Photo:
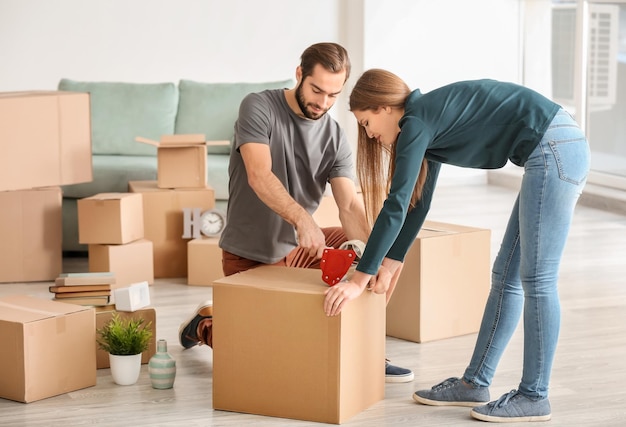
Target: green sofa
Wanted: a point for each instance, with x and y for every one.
(122, 111)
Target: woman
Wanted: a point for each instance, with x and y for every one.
(475, 124)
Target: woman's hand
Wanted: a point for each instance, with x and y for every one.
(381, 282)
(337, 296)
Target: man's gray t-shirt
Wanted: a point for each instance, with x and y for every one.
(305, 153)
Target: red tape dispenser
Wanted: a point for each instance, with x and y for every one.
(335, 263)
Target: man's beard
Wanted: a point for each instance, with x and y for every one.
(303, 105)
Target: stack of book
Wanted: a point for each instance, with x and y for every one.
(84, 288)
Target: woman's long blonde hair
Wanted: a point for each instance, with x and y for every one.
(376, 163)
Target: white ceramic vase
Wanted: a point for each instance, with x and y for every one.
(125, 369)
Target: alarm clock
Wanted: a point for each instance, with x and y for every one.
(212, 222)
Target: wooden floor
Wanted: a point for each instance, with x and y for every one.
(589, 378)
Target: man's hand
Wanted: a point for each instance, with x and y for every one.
(310, 237)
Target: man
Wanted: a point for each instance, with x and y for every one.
(286, 149)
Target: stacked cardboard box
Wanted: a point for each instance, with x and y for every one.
(181, 160)
(180, 186)
(45, 142)
(112, 225)
(45, 139)
(30, 226)
(204, 261)
(164, 225)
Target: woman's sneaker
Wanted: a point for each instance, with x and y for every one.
(513, 407)
(396, 374)
(453, 392)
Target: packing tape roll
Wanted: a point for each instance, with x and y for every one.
(356, 245)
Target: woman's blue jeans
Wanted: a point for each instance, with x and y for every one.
(525, 272)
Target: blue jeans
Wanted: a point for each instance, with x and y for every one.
(525, 272)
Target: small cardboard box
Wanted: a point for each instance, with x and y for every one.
(276, 353)
(204, 261)
(45, 139)
(131, 262)
(30, 226)
(47, 348)
(444, 285)
(110, 218)
(164, 223)
(104, 315)
(181, 160)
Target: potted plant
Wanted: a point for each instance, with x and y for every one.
(125, 340)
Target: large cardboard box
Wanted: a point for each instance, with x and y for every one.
(47, 348)
(276, 353)
(45, 139)
(131, 262)
(31, 235)
(444, 285)
(204, 261)
(110, 218)
(181, 160)
(164, 223)
(104, 315)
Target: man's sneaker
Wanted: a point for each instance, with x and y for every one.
(513, 407)
(396, 374)
(453, 392)
(188, 330)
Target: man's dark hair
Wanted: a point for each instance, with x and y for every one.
(332, 56)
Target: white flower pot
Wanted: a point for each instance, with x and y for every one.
(125, 369)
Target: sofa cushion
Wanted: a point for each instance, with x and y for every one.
(112, 173)
(122, 111)
(212, 108)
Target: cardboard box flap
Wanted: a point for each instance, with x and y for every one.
(174, 141)
(183, 139)
(439, 229)
(110, 196)
(428, 232)
(26, 309)
(25, 94)
(308, 280)
(37, 93)
(151, 186)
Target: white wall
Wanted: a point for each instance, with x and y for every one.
(432, 43)
(428, 43)
(42, 41)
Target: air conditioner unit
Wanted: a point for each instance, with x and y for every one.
(602, 54)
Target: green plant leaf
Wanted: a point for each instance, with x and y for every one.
(124, 337)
